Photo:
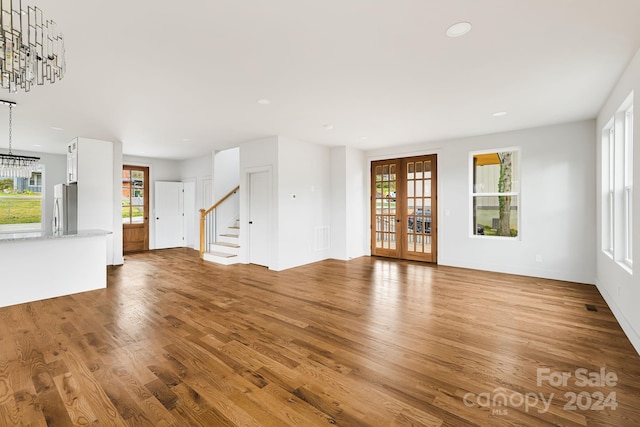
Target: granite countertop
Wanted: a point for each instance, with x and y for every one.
(40, 235)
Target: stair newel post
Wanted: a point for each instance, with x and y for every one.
(202, 232)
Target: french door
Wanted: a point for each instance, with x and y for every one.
(404, 208)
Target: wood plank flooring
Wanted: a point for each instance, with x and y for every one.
(174, 341)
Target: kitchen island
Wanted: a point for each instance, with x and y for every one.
(37, 265)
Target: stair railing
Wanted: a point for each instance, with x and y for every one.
(208, 222)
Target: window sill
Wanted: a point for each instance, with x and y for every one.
(626, 266)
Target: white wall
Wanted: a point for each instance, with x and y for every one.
(96, 203)
(304, 202)
(358, 242)
(348, 207)
(226, 177)
(197, 170)
(226, 172)
(338, 203)
(557, 202)
(620, 288)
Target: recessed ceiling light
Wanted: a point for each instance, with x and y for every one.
(56, 128)
(327, 126)
(364, 138)
(263, 101)
(37, 145)
(459, 29)
(499, 114)
(185, 140)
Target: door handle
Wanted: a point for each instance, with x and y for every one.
(157, 217)
(250, 222)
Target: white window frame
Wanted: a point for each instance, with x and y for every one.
(608, 188)
(473, 194)
(617, 186)
(628, 188)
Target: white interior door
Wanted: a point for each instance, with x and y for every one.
(259, 209)
(169, 218)
(190, 213)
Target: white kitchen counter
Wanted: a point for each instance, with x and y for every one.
(36, 265)
(39, 235)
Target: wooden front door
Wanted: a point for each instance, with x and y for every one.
(404, 208)
(135, 208)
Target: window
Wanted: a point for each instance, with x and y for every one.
(21, 203)
(617, 186)
(495, 193)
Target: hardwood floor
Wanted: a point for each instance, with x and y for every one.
(174, 341)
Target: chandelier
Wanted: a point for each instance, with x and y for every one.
(11, 165)
(31, 49)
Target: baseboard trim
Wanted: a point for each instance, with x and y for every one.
(626, 326)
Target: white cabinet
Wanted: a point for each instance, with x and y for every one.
(72, 161)
(91, 163)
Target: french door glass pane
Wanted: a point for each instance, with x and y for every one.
(419, 207)
(137, 214)
(126, 215)
(133, 185)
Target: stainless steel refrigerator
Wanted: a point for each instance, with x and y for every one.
(65, 208)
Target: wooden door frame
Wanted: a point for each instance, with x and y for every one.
(146, 225)
(402, 215)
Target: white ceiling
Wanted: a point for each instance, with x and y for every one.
(180, 79)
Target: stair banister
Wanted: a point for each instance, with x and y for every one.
(204, 213)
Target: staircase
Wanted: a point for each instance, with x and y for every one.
(222, 246)
(225, 249)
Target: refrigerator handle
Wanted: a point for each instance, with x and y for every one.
(56, 216)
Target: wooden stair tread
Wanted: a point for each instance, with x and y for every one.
(230, 235)
(221, 254)
(229, 245)
(234, 227)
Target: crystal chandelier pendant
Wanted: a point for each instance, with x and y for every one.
(31, 49)
(12, 165)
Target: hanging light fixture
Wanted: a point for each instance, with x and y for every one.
(11, 165)
(31, 49)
